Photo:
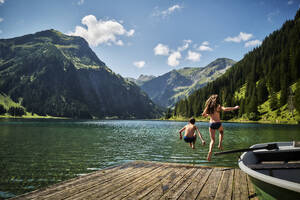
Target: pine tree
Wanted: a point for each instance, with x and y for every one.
(273, 101)
(2, 110)
(297, 97)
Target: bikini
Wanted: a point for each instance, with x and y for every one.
(215, 125)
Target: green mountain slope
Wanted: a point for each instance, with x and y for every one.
(54, 74)
(167, 89)
(263, 83)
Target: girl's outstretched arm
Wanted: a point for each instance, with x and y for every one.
(230, 108)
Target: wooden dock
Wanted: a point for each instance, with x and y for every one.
(151, 180)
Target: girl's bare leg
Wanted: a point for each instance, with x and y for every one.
(221, 135)
(212, 142)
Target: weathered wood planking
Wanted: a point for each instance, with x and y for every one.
(151, 180)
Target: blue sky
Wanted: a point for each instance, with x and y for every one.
(153, 37)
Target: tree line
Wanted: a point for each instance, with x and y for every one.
(266, 73)
(13, 111)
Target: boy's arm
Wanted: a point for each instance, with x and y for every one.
(180, 131)
(199, 133)
(230, 108)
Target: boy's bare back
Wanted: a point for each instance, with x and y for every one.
(190, 130)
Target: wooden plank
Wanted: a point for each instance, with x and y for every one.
(101, 181)
(225, 187)
(59, 187)
(210, 188)
(252, 193)
(240, 190)
(98, 191)
(151, 180)
(149, 187)
(131, 191)
(168, 183)
(197, 184)
(181, 185)
(123, 190)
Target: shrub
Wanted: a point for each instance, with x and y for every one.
(2, 110)
(16, 111)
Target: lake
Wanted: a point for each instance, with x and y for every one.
(38, 153)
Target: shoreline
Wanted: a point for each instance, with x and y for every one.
(183, 119)
(177, 119)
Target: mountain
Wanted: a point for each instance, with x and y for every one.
(168, 88)
(50, 73)
(141, 79)
(265, 83)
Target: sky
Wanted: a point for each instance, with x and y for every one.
(153, 37)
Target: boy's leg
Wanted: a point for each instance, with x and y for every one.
(193, 146)
(212, 142)
(221, 135)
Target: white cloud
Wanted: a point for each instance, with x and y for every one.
(1, 19)
(2, 1)
(205, 43)
(204, 47)
(290, 2)
(101, 32)
(80, 2)
(139, 64)
(241, 37)
(173, 59)
(0, 31)
(161, 49)
(130, 32)
(252, 43)
(168, 11)
(120, 43)
(186, 44)
(193, 56)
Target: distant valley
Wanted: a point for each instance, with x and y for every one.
(167, 89)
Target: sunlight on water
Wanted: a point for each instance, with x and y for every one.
(35, 153)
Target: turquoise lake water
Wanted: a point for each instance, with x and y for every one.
(38, 153)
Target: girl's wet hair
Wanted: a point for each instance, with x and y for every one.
(212, 103)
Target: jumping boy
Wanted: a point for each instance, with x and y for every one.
(213, 109)
(190, 135)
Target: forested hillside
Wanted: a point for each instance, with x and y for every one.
(49, 73)
(263, 83)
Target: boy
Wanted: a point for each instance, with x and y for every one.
(190, 135)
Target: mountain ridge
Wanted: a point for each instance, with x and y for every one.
(167, 89)
(59, 75)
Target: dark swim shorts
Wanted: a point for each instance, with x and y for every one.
(189, 139)
(215, 125)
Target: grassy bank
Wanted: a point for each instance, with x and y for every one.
(240, 120)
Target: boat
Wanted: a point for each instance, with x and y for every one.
(275, 173)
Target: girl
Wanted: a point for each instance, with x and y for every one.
(213, 109)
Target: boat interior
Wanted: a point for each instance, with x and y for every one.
(283, 163)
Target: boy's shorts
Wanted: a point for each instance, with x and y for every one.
(189, 139)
